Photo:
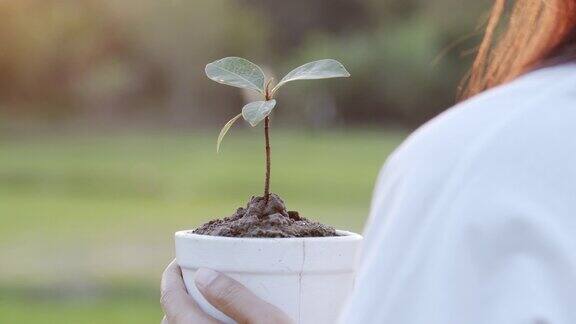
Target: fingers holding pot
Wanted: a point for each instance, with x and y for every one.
(235, 300)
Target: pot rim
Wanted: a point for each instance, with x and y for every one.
(344, 236)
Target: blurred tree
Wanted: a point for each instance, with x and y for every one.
(126, 61)
(47, 47)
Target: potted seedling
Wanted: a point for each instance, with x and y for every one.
(303, 267)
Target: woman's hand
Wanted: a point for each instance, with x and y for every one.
(224, 293)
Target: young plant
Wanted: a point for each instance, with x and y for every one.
(241, 73)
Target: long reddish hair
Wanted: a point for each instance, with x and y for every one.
(534, 33)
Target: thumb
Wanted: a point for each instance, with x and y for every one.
(235, 300)
(178, 306)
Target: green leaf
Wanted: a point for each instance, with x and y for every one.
(236, 72)
(322, 69)
(225, 130)
(256, 111)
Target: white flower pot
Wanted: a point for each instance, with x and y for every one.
(308, 278)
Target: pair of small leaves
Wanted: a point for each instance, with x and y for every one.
(241, 73)
(253, 113)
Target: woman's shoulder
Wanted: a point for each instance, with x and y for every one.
(524, 115)
(519, 136)
(508, 145)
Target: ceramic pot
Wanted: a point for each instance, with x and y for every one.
(308, 278)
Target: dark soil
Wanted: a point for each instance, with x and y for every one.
(261, 219)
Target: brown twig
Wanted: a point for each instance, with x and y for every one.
(268, 96)
(267, 138)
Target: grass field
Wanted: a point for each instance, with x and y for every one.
(86, 222)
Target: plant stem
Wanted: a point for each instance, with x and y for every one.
(267, 180)
(267, 96)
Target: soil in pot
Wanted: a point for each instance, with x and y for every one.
(261, 218)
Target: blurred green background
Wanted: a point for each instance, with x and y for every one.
(108, 129)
